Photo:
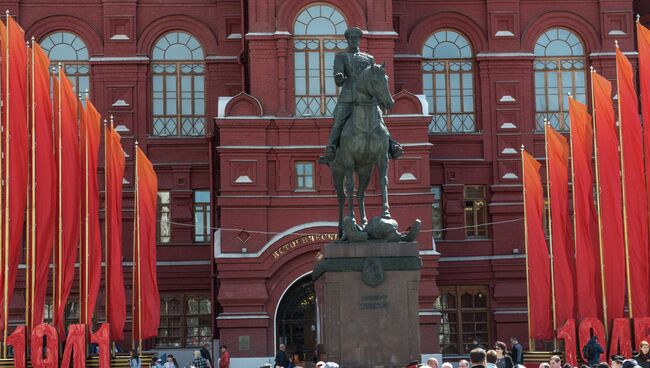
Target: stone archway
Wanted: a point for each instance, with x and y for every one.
(295, 320)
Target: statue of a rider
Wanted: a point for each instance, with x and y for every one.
(347, 67)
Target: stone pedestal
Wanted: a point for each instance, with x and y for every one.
(367, 295)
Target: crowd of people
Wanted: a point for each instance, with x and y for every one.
(500, 357)
(202, 359)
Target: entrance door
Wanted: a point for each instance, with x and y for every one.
(296, 319)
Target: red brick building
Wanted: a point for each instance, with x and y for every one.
(232, 101)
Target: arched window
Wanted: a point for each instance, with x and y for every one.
(178, 88)
(559, 70)
(318, 36)
(448, 79)
(70, 50)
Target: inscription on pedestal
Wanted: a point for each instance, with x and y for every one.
(369, 302)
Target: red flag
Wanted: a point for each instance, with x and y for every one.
(14, 114)
(609, 193)
(114, 172)
(92, 262)
(44, 205)
(643, 38)
(635, 198)
(147, 318)
(563, 250)
(67, 135)
(537, 259)
(589, 294)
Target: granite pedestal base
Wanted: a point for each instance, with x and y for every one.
(367, 295)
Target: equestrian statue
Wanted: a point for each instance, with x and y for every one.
(360, 141)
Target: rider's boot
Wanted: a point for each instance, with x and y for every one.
(330, 154)
(395, 149)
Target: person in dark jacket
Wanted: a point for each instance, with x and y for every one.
(643, 358)
(516, 352)
(594, 349)
(205, 353)
(503, 360)
(281, 359)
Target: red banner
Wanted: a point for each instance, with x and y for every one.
(610, 198)
(537, 259)
(45, 195)
(563, 250)
(643, 38)
(14, 121)
(66, 132)
(92, 248)
(635, 198)
(148, 299)
(589, 294)
(114, 172)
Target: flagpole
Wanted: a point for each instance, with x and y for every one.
(86, 237)
(33, 191)
(82, 205)
(106, 222)
(550, 229)
(601, 248)
(137, 204)
(60, 235)
(621, 158)
(7, 187)
(531, 341)
(135, 260)
(28, 216)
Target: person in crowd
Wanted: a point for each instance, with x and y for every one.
(224, 357)
(555, 362)
(413, 364)
(134, 360)
(463, 363)
(592, 350)
(643, 358)
(567, 365)
(602, 365)
(156, 362)
(199, 361)
(629, 363)
(516, 351)
(544, 365)
(205, 353)
(171, 362)
(447, 365)
(320, 364)
(281, 359)
(296, 360)
(491, 358)
(503, 359)
(477, 357)
(617, 361)
(432, 363)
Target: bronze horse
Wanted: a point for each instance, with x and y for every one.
(363, 145)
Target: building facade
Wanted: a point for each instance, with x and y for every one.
(232, 101)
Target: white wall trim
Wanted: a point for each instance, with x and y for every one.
(289, 231)
(221, 57)
(252, 362)
(613, 53)
(505, 54)
(222, 101)
(118, 58)
(482, 258)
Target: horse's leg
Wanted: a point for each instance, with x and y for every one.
(349, 186)
(364, 179)
(383, 183)
(337, 176)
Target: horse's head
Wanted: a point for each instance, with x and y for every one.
(377, 85)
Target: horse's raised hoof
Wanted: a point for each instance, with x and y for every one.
(386, 215)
